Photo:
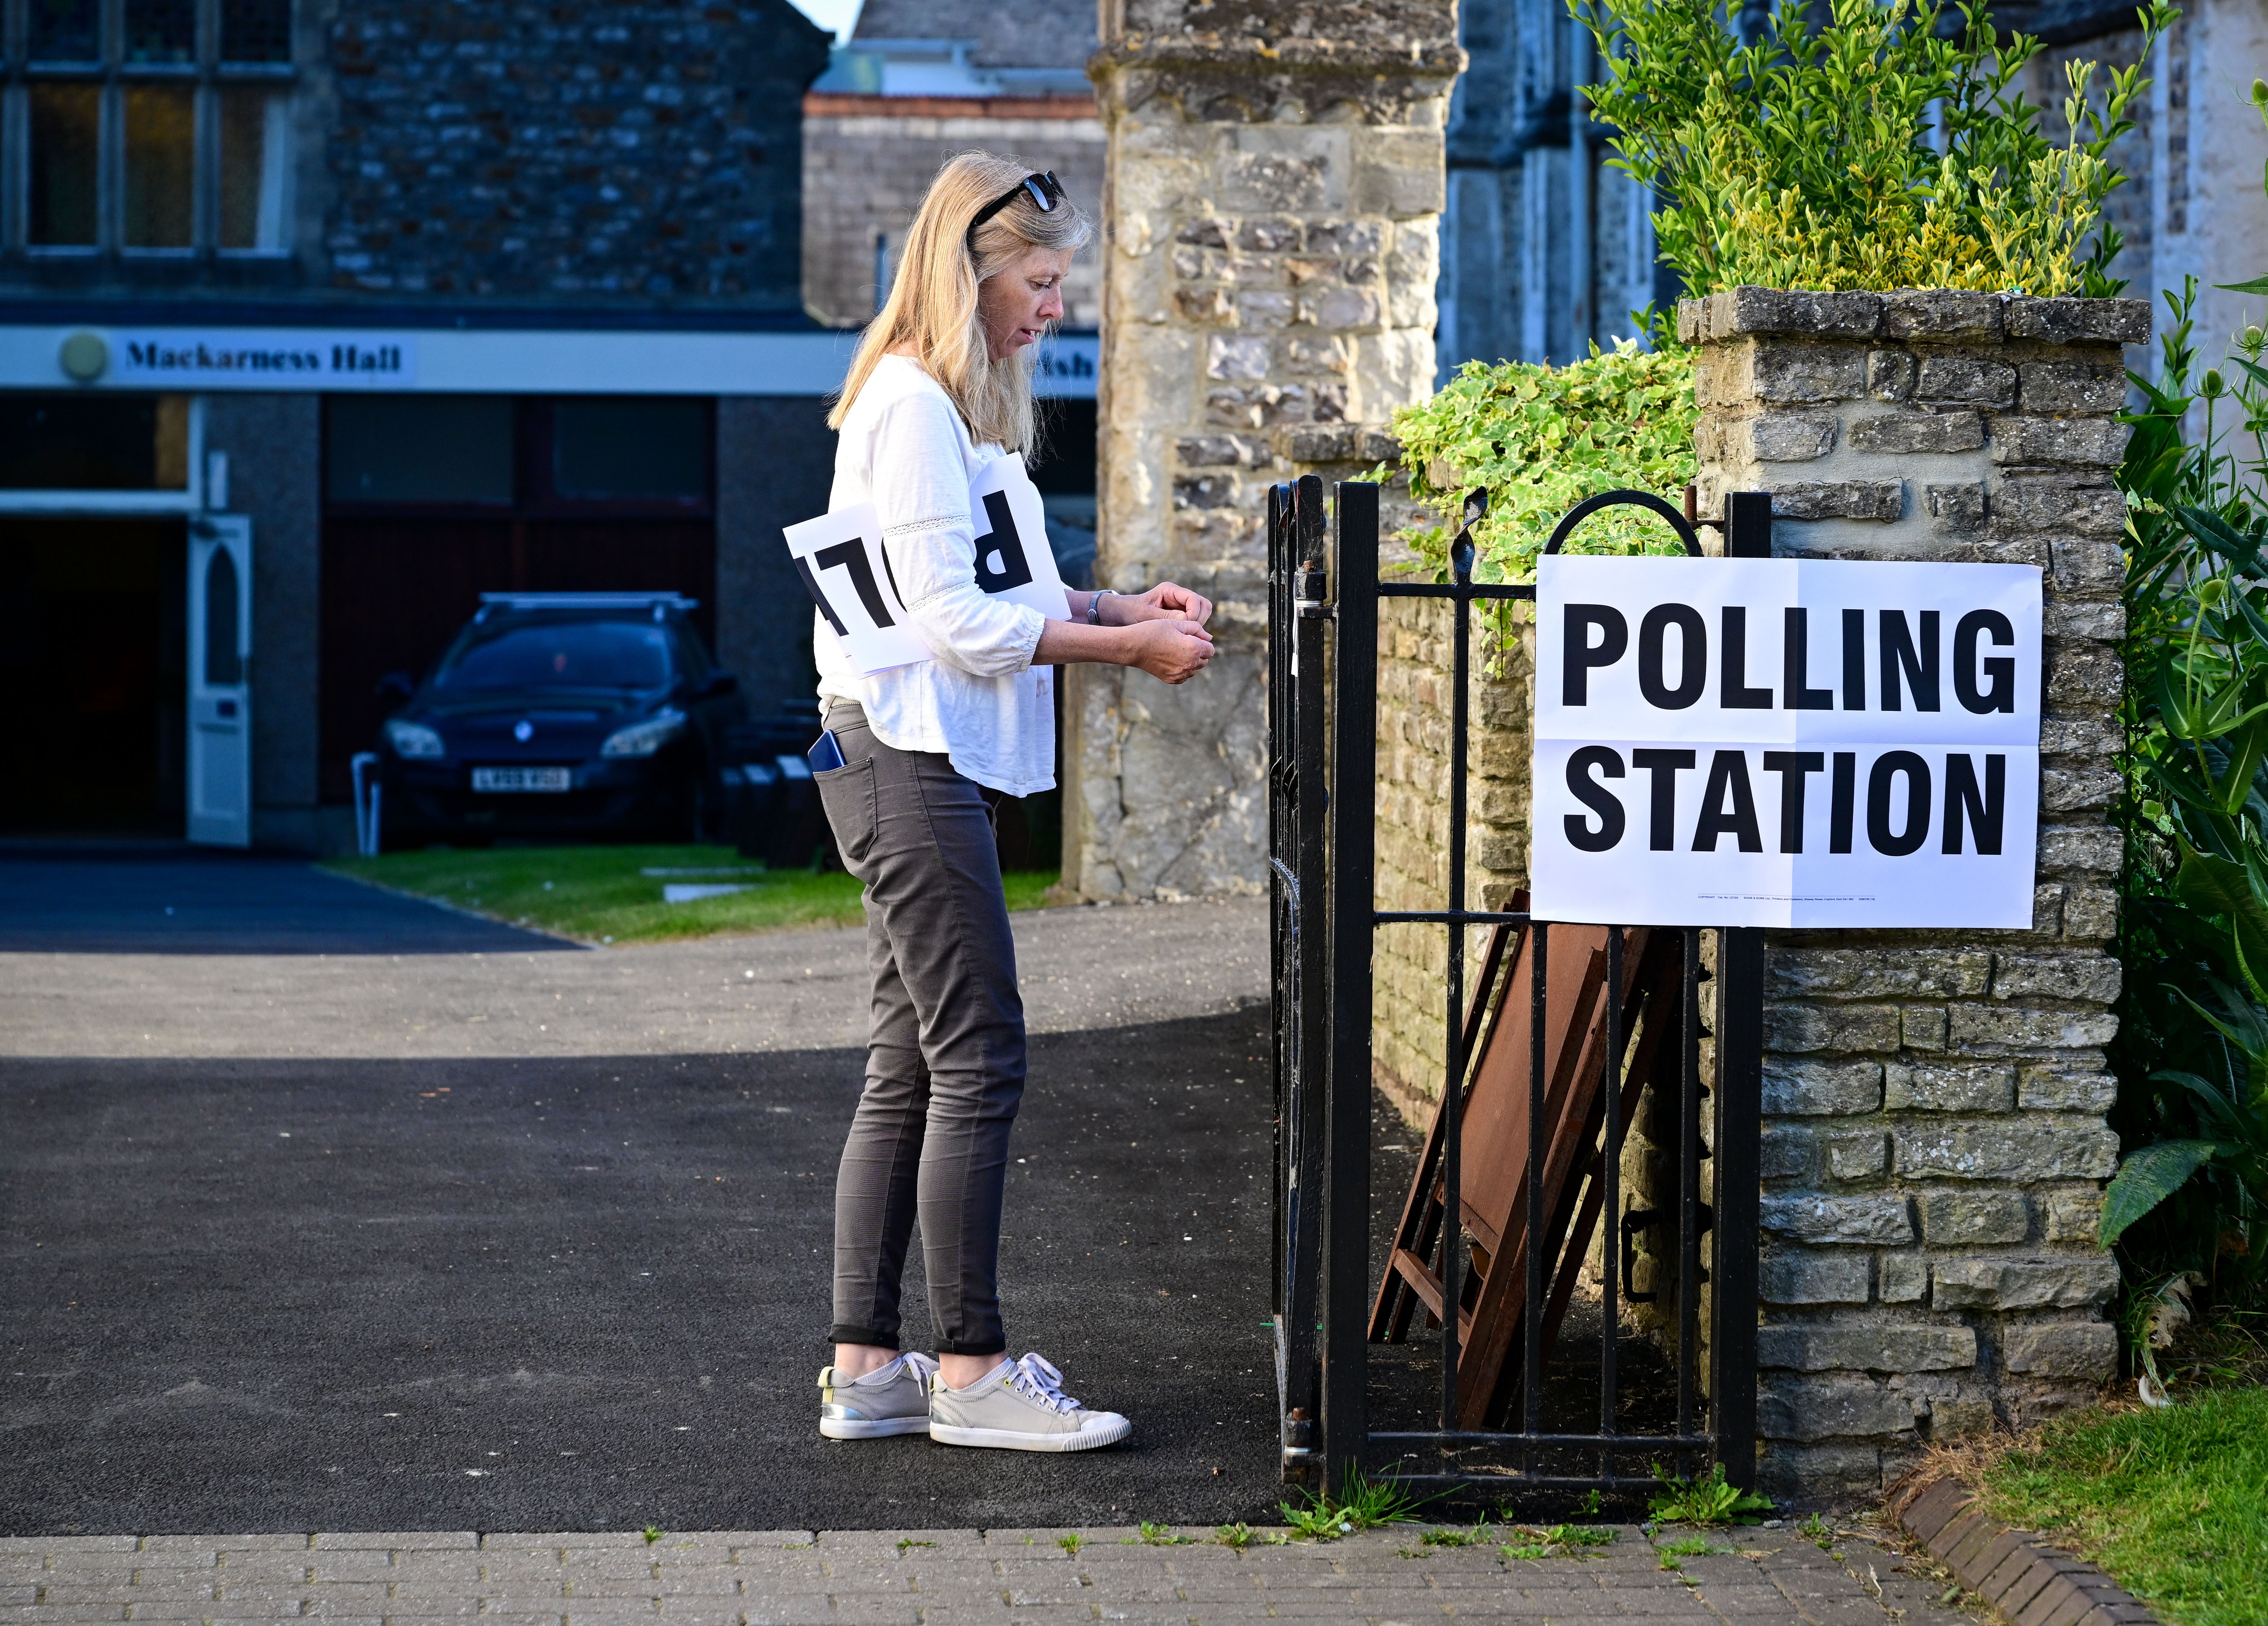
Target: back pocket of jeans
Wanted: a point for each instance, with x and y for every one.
(847, 794)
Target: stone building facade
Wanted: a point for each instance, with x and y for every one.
(647, 152)
(1541, 250)
(555, 229)
(868, 160)
(919, 81)
(1273, 198)
(1546, 247)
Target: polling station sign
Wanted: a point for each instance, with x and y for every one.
(1785, 742)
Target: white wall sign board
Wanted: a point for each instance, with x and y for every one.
(842, 563)
(262, 358)
(1785, 742)
(448, 359)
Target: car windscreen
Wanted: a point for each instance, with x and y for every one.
(573, 654)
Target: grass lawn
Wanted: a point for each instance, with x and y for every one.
(614, 895)
(2173, 1503)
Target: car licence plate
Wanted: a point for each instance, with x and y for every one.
(551, 779)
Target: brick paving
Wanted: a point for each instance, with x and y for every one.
(948, 1578)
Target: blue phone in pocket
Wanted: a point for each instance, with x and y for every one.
(825, 753)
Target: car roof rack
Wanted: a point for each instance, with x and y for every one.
(588, 601)
(659, 605)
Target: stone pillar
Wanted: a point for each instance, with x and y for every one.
(1270, 248)
(1935, 1144)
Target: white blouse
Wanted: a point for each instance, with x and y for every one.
(981, 703)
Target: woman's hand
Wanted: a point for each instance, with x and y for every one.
(1173, 650)
(1166, 601)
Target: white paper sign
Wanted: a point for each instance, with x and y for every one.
(840, 557)
(1014, 560)
(847, 570)
(1785, 742)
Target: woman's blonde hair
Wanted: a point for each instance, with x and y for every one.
(932, 302)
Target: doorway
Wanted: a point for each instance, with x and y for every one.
(93, 619)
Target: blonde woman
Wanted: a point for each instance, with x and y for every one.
(940, 387)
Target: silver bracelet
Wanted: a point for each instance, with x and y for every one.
(1095, 605)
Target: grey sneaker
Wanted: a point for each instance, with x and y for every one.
(893, 1401)
(1019, 1406)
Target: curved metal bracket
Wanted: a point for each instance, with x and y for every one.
(1590, 505)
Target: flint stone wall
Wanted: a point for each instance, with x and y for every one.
(1934, 1146)
(1271, 205)
(645, 152)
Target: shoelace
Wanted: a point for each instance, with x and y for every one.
(914, 1361)
(1038, 1377)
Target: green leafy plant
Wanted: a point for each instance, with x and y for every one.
(1359, 1503)
(1558, 1541)
(1873, 143)
(1238, 1536)
(1540, 439)
(1162, 1535)
(1705, 1500)
(1071, 1543)
(907, 1541)
(2191, 1197)
(652, 1533)
(1475, 1535)
(1817, 1531)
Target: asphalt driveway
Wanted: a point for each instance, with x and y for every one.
(590, 1293)
(367, 1238)
(164, 899)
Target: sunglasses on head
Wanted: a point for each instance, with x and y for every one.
(1044, 189)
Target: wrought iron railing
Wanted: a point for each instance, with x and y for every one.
(1323, 729)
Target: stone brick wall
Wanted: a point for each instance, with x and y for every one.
(1935, 1144)
(867, 163)
(1410, 1044)
(1275, 185)
(588, 150)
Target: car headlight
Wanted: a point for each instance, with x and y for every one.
(414, 740)
(645, 739)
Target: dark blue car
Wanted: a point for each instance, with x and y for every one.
(561, 714)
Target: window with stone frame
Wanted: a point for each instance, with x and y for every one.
(146, 129)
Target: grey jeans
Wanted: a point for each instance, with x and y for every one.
(945, 1048)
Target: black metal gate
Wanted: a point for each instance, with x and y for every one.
(1560, 1423)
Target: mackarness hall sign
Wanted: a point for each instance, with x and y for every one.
(1785, 742)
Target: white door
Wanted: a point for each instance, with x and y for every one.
(220, 681)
